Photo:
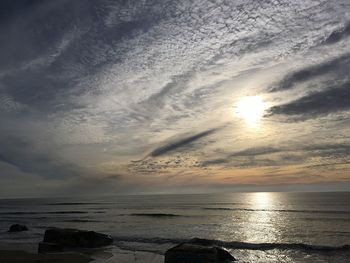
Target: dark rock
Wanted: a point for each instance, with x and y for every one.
(71, 238)
(192, 252)
(17, 228)
(45, 247)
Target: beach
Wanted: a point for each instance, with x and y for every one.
(13, 255)
(21, 252)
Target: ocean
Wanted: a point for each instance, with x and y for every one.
(254, 227)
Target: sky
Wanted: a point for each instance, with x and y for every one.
(161, 96)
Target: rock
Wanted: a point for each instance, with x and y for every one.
(72, 238)
(193, 252)
(17, 228)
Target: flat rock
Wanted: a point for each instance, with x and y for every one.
(73, 238)
(17, 228)
(192, 252)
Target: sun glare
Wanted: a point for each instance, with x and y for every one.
(251, 109)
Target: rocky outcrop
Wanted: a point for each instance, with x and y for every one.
(58, 239)
(194, 251)
(17, 228)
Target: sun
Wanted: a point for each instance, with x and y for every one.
(251, 109)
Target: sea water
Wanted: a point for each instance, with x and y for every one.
(254, 227)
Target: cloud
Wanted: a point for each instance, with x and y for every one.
(181, 143)
(215, 162)
(175, 154)
(20, 154)
(331, 100)
(314, 155)
(33, 89)
(7, 160)
(336, 68)
(164, 165)
(250, 157)
(329, 147)
(338, 35)
(84, 84)
(256, 151)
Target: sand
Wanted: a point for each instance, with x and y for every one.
(21, 252)
(26, 253)
(126, 256)
(13, 256)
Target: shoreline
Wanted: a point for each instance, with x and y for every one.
(20, 256)
(27, 253)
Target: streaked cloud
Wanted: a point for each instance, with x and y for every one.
(331, 100)
(338, 34)
(335, 70)
(181, 143)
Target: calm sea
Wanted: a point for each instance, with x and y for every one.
(254, 227)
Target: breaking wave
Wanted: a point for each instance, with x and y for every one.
(277, 210)
(73, 203)
(155, 215)
(236, 244)
(50, 213)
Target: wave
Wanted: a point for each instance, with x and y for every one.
(81, 221)
(237, 244)
(335, 220)
(154, 215)
(50, 213)
(277, 210)
(270, 246)
(74, 203)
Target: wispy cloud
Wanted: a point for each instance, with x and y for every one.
(84, 84)
(335, 68)
(314, 155)
(20, 154)
(181, 143)
(331, 100)
(338, 35)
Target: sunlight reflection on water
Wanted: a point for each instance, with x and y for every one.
(262, 222)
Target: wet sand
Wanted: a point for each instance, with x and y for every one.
(13, 256)
(127, 256)
(26, 253)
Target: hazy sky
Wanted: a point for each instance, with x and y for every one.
(173, 96)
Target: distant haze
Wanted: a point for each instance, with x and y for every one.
(110, 97)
